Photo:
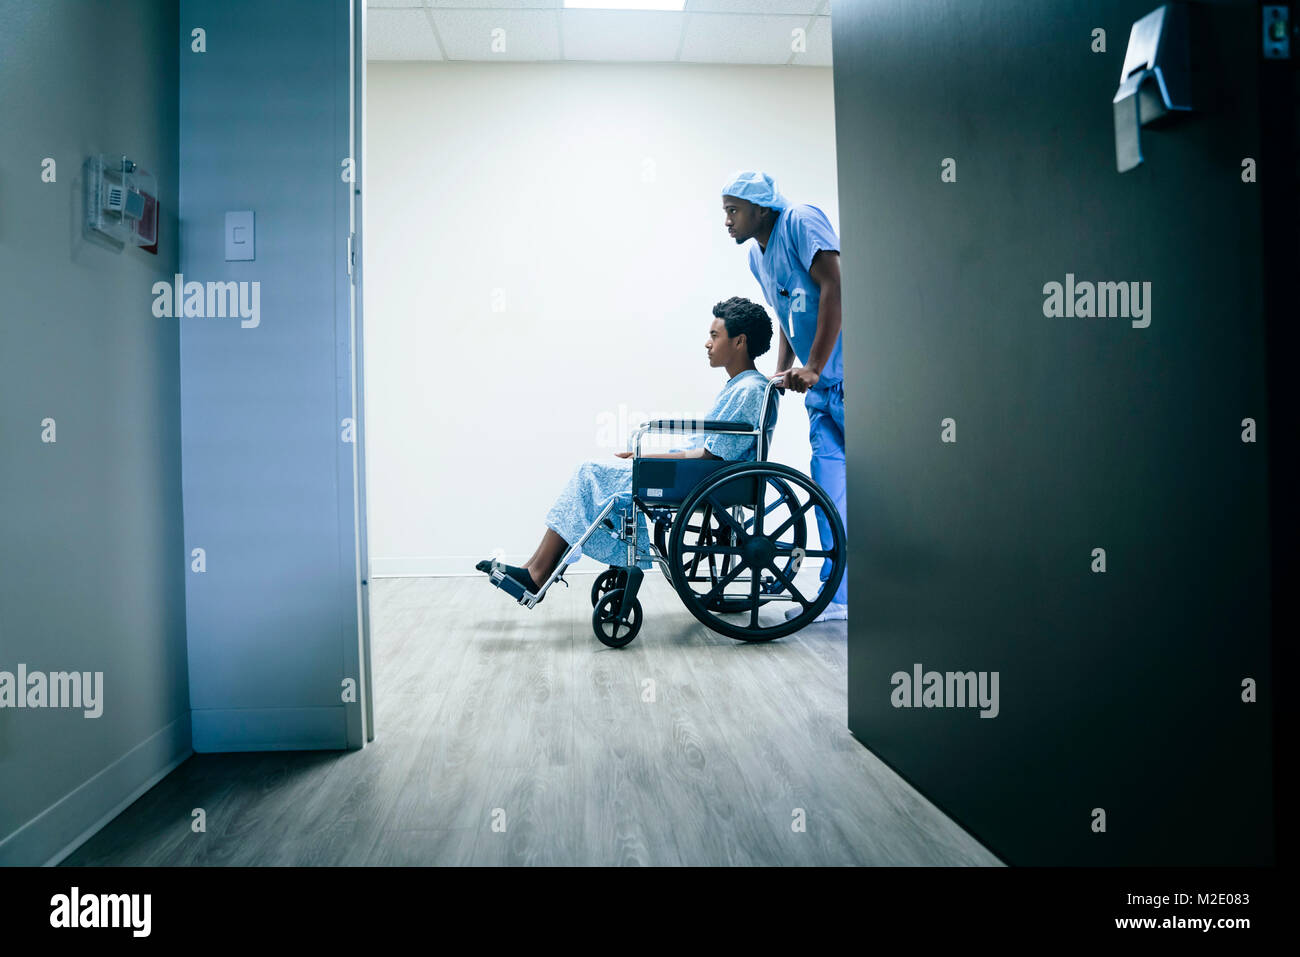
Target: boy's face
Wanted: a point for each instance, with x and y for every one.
(721, 347)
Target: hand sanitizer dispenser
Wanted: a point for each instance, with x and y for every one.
(1155, 84)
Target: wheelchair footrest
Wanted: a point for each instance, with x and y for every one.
(514, 589)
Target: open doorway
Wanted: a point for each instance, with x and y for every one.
(544, 246)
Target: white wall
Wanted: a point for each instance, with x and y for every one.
(585, 201)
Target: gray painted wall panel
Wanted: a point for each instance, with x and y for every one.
(91, 544)
(272, 621)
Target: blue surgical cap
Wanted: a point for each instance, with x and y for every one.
(759, 188)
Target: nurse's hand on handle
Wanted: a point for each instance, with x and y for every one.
(800, 380)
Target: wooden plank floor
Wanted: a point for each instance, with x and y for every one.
(508, 736)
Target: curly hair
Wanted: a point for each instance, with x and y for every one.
(739, 315)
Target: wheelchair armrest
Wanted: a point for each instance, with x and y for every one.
(696, 425)
(765, 424)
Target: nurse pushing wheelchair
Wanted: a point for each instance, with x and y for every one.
(730, 529)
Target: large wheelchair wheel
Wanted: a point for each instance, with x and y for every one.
(713, 530)
(737, 543)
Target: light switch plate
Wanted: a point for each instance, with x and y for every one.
(239, 235)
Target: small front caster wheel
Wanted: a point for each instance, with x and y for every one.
(605, 583)
(614, 625)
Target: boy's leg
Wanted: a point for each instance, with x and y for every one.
(549, 551)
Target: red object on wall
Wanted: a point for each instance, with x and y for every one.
(150, 202)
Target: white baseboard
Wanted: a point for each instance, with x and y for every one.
(442, 566)
(269, 729)
(76, 817)
(451, 566)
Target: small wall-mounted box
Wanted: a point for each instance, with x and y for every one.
(121, 200)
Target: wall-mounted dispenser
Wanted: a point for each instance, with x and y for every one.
(121, 200)
(1156, 83)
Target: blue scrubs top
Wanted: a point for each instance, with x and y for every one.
(782, 271)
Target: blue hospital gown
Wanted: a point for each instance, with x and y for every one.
(594, 484)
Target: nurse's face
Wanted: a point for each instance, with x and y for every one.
(721, 347)
(742, 218)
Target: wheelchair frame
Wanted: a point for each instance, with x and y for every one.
(624, 582)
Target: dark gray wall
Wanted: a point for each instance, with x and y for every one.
(268, 477)
(1118, 690)
(91, 546)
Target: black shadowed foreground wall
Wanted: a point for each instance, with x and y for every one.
(1067, 496)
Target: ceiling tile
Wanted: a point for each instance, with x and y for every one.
(710, 31)
(528, 34)
(803, 7)
(721, 38)
(621, 34)
(819, 44)
(496, 4)
(399, 35)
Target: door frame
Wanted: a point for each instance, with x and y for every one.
(361, 730)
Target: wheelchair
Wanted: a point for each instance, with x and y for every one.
(714, 520)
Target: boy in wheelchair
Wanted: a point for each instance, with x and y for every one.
(741, 331)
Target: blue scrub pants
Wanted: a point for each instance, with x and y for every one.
(826, 436)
